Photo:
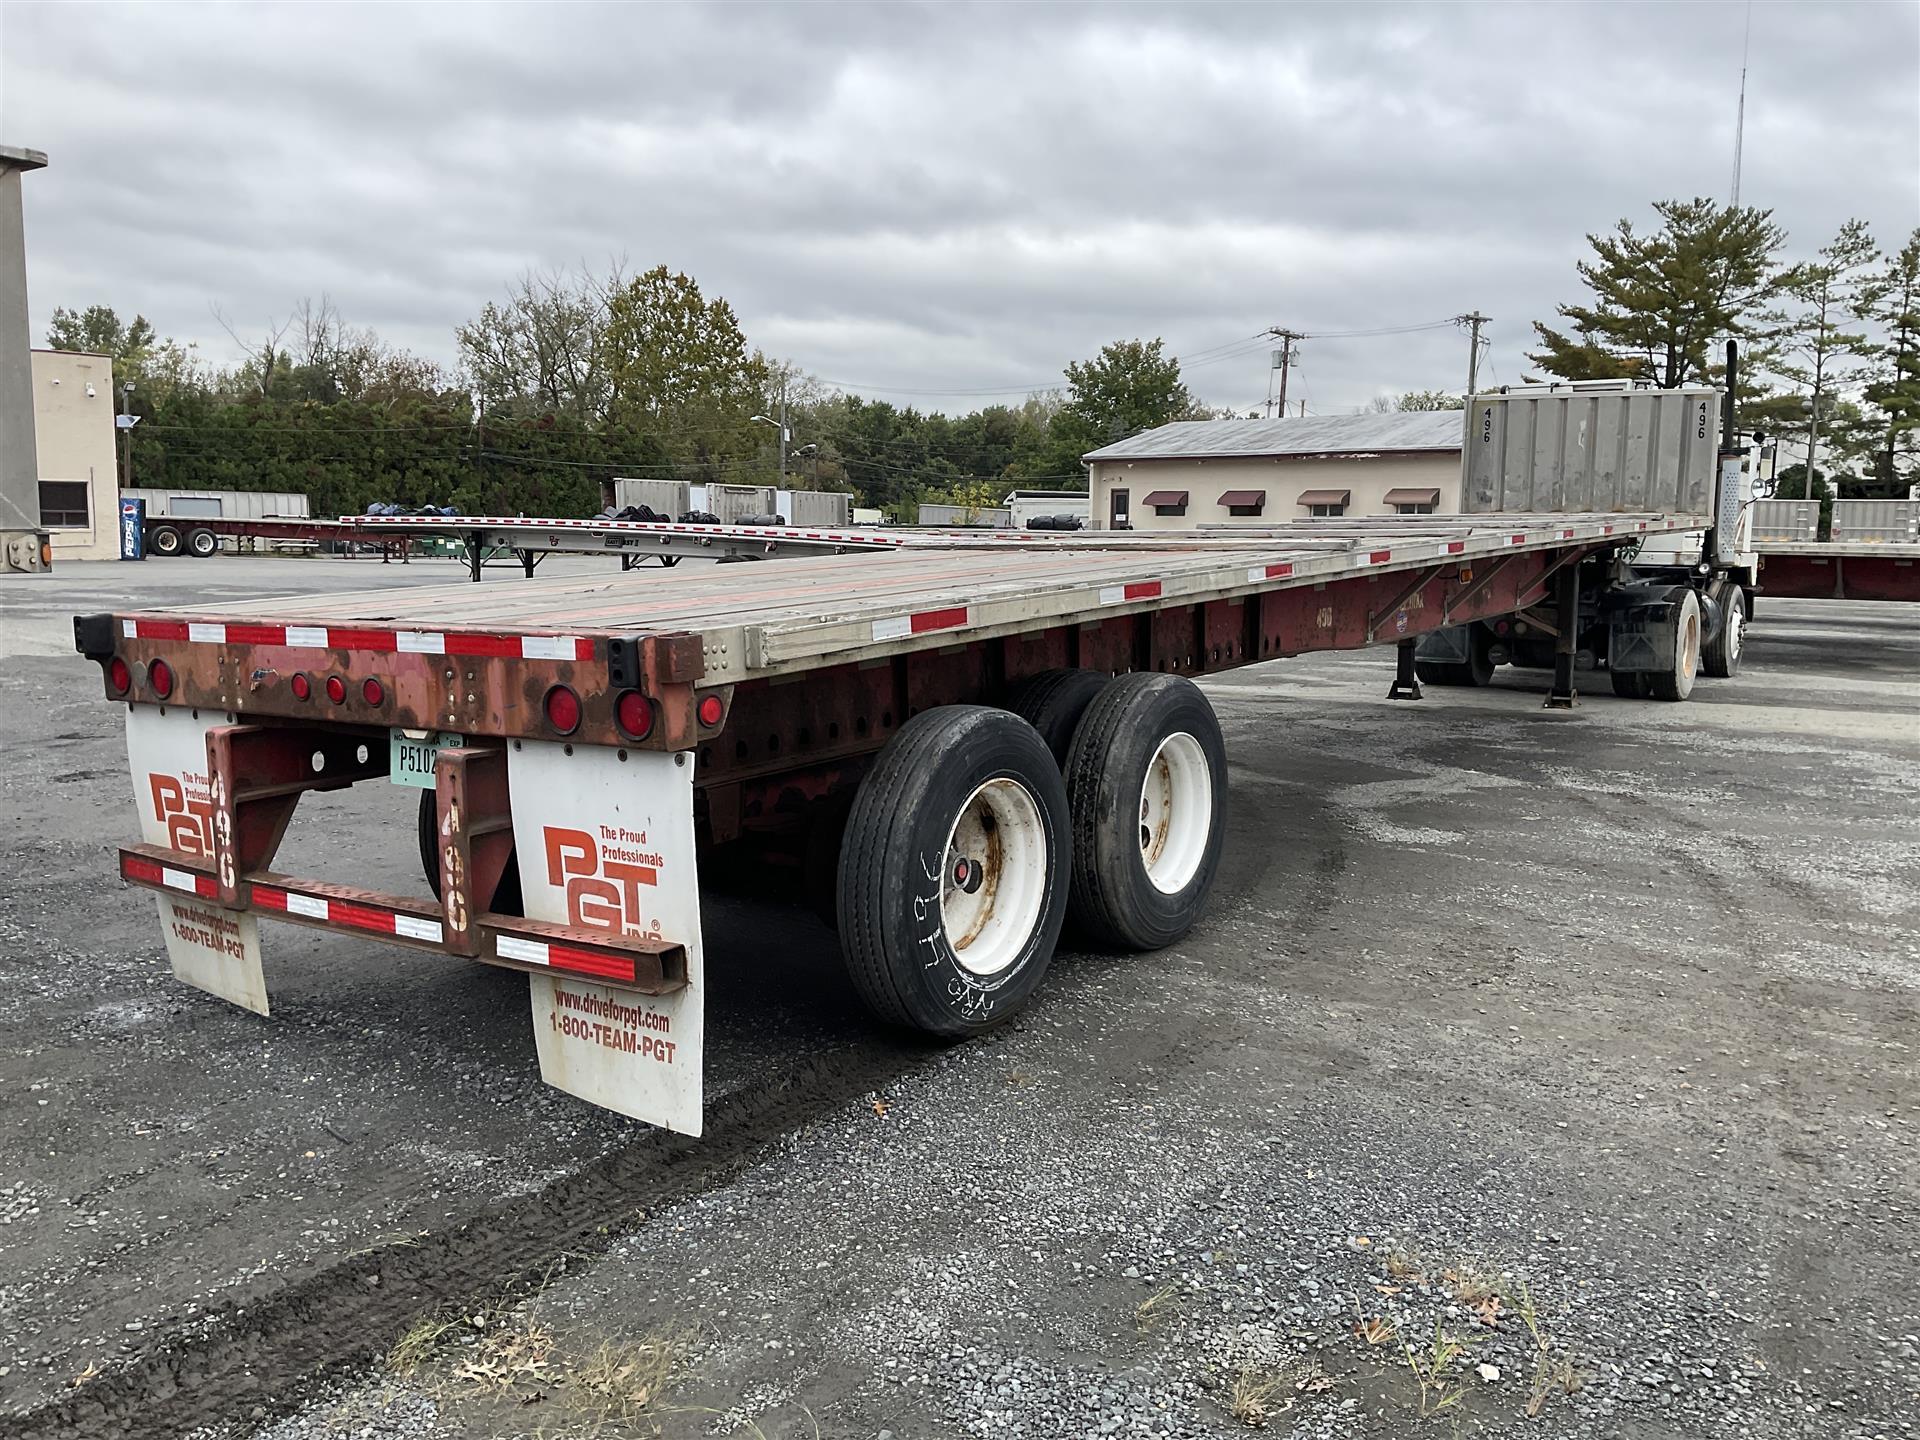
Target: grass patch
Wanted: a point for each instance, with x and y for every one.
(1154, 1311)
(1436, 1367)
(1257, 1396)
(1553, 1372)
(621, 1381)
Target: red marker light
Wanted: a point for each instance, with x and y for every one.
(635, 714)
(119, 676)
(336, 690)
(160, 677)
(710, 710)
(302, 687)
(563, 709)
(374, 692)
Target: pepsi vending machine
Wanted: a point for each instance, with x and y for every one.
(133, 529)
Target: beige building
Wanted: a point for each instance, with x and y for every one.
(1263, 472)
(74, 436)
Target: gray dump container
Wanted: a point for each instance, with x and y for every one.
(1876, 522)
(1789, 522)
(733, 503)
(665, 497)
(168, 504)
(1591, 449)
(820, 507)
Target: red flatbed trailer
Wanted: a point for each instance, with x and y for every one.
(1839, 570)
(979, 735)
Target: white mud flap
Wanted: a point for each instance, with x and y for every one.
(211, 948)
(607, 843)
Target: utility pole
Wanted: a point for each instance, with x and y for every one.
(1473, 323)
(126, 435)
(1288, 339)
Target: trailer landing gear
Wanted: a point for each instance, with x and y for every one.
(1406, 672)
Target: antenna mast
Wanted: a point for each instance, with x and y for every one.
(1740, 118)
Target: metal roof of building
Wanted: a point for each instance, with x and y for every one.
(1412, 430)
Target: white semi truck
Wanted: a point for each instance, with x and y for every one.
(1612, 446)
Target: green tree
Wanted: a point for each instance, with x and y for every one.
(1661, 300)
(1891, 377)
(678, 367)
(1132, 385)
(1416, 400)
(1816, 340)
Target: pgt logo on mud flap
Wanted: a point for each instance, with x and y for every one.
(603, 878)
(187, 821)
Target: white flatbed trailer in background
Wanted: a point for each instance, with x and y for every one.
(956, 740)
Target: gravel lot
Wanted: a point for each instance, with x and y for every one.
(1525, 1061)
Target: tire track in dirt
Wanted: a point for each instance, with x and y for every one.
(270, 1353)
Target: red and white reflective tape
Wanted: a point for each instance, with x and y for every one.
(349, 913)
(1454, 547)
(151, 872)
(1379, 557)
(1269, 572)
(1138, 590)
(389, 642)
(921, 622)
(554, 955)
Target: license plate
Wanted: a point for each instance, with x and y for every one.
(410, 756)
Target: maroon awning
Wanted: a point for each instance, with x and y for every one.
(1165, 497)
(1236, 498)
(1412, 497)
(1325, 497)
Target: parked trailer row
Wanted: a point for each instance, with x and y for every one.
(1872, 553)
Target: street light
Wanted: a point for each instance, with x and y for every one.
(785, 435)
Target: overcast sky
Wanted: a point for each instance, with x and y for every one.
(928, 204)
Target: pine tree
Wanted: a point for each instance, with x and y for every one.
(1891, 299)
(1663, 301)
(1819, 339)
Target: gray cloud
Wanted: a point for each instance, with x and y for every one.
(940, 199)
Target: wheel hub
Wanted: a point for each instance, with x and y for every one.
(1176, 812)
(993, 878)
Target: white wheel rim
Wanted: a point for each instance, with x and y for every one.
(993, 884)
(1689, 646)
(1736, 630)
(1176, 813)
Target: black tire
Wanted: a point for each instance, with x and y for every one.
(1053, 702)
(1630, 684)
(164, 541)
(897, 878)
(202, 543)
(506, 895)
(1676, 683)
(1721, 657)
(1475, 671)
(1116, 900)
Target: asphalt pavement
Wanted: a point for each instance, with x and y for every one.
(1531, 1073)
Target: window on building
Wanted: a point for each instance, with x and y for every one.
(1324, 503)
(65, 503)
(1408, 500)
(1244, 502)
(1167, 502)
